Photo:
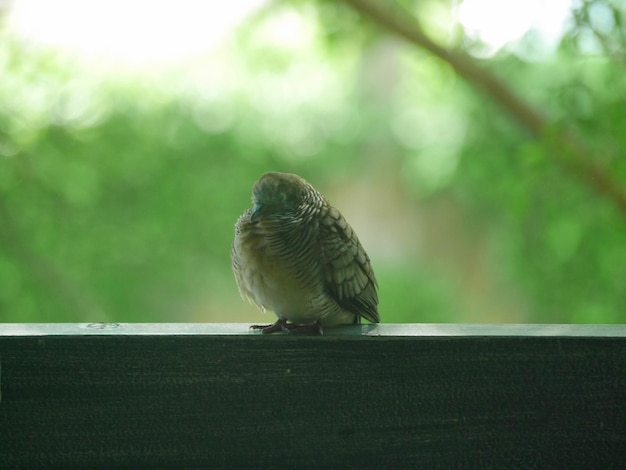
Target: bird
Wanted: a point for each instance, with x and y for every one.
(295, 255)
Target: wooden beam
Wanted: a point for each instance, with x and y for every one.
(216, 395)
(385, 329)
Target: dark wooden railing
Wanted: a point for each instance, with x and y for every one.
(378, 396)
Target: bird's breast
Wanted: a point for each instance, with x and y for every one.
(270, 279)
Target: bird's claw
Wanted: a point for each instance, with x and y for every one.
(297, 329)
(278, 325)
(292, 328)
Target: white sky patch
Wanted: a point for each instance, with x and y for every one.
(498, 22)
(136, 31)
(144, 31)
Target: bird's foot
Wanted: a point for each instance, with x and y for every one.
(278, 325)
(292, 328)
(296, 329)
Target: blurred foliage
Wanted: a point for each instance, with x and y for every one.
(119, 192)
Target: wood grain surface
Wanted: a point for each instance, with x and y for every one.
(214, 396)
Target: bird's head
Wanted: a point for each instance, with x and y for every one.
(277, 193)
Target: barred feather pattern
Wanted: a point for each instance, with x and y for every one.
(301, 259)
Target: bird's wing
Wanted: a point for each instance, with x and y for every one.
(348, 275)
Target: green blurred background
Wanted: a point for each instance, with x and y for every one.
(122, 174)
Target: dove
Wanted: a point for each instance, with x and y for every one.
(295, 255)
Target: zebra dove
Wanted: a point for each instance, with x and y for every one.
(295, 255)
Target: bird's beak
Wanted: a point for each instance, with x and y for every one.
(255, 212)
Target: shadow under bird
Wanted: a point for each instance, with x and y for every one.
(295, 255)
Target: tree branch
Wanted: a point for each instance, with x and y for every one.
(567, 146)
